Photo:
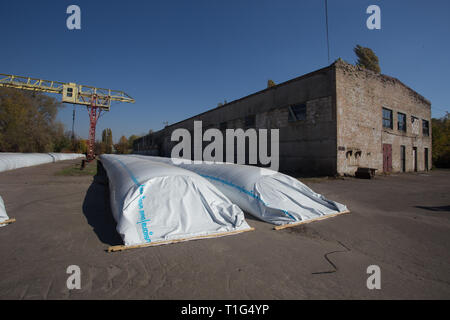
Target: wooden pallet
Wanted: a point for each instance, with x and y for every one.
(284, 226)
(158, 243)
(8, 221)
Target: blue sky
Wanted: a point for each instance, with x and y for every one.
(180, 58)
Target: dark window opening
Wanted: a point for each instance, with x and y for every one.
(425, 128)
(249, 121)
(387, 118)
(297, 112)
(69, 92)
(401, 122)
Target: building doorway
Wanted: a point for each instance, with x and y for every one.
(426, 159)
(387, 157)
(415, 158)
(403, 158)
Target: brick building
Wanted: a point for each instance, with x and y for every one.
(331, 121)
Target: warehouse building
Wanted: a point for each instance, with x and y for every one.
(331, 121)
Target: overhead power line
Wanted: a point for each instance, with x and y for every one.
(326, 23)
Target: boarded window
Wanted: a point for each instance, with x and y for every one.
(387, 118)
(425, 128)
(401, 122)
(415, 125)
(297, 112)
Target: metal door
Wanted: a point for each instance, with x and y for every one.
(387, 157)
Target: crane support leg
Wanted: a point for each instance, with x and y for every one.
(94, 114)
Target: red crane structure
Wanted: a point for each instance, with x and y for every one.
(95, 99)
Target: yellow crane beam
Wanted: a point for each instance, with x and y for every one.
(71, 92)
(96, 99)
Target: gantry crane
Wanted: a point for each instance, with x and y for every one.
(95, 99)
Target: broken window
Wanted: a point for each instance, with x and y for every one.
(425, 128)
(297, 112)
(387, 118)
(401, 122)
(415, 125)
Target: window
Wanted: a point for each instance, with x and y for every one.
(425, 128)
(69, 92)
(297, 112)
(249, 121)
(401, 122)
(387, 118)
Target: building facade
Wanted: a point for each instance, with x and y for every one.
(331, 121)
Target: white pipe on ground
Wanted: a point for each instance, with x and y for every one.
(11, 161)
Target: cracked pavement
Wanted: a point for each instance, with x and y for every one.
(398, 222)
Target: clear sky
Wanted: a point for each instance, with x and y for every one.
(180, 58)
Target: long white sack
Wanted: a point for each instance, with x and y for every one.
(269, 195)
(65, 156)
(3, 215)
(11, 161)
(153, 202)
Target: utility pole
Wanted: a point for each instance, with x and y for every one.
(73, 129)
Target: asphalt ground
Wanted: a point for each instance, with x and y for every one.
(400, 223)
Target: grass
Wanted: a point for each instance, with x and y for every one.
(75, 170)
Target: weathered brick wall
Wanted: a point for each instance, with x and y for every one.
(360, 97)
(306, 146)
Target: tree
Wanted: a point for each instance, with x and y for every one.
(28, 122)
(222, 103)
(62, 140)
(441, 141)
(107, 141)
(270, 83)
(80, 145)
(131, 141)
(367, 58)
(122, 146)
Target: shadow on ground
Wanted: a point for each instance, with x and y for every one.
(97, 210)
(441, 208)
